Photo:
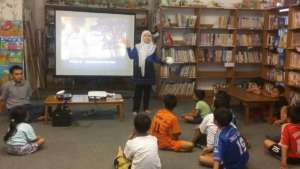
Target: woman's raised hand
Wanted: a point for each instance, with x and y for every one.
(125, 41)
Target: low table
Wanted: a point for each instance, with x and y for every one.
(249, 99)
(116, 100)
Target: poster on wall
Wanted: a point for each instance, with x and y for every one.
(11, 46)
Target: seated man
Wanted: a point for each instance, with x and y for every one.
(166, 129)
(16, 92)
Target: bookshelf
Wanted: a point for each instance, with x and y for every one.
(222, 40)
(292, 65)
(275, 46)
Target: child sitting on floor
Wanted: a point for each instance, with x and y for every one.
(20, 138)
(166, 129)
(256, 86)
(230, 149)
(201, 109)
(141, 150)
(284, 110)
(288, 148)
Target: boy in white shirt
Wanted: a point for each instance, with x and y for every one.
(141, 148)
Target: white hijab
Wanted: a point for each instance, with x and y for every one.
(145, 50)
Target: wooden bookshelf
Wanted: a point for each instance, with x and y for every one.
(232, 29)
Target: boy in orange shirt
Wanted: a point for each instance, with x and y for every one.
(166, 129)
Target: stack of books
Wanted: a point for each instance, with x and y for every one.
(249, 40)
(215, 39)
(295, 60)
(215, 55)
(294, 79)
(251, 22)
(179, 55)
(249, 56)
(178, 89)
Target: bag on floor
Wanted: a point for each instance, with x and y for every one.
(62, 116)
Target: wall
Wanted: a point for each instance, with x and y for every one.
(11, 35)
(11, 9)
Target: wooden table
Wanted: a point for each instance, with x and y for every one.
(249, 99)
(116, 101)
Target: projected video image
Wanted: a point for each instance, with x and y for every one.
(92, 43)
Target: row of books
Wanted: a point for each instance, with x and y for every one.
(282, 33)
(275, 59)
(215, 55)
(275, 75)
(179, 55)
(187, 71)
(250, 40)
(296, 39)
(272, 40)
(226, 22)
(215, 39)
(272, 22)
(178, 89)
(295, 60)
(294, 78)
(180, 20)
(183, 39)
(251, 22)
(296, 19)
(246, 56)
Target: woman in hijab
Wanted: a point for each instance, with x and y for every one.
(144, 58)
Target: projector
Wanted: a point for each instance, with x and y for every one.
(97, 95)
(62, 95)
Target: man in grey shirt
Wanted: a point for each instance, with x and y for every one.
(16, 92)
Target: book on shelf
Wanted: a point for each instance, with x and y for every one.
(248, 56)
(164, 72)
(249, 40)
(272, 22)
(296, 20)
(272, 59)
(181, 20)
(215, 55)
(188, 71)
(215, 39)
(283, 21)
(275, 75)
(251, 22)
(179, 55)
(226, 22)
(272, 40)
(179, 39)
(185, 71)
(296, 39)
(177, 88)
(295, 60)
(294, 79)
(283, 33)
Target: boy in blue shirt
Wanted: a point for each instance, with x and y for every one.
(230, 151)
